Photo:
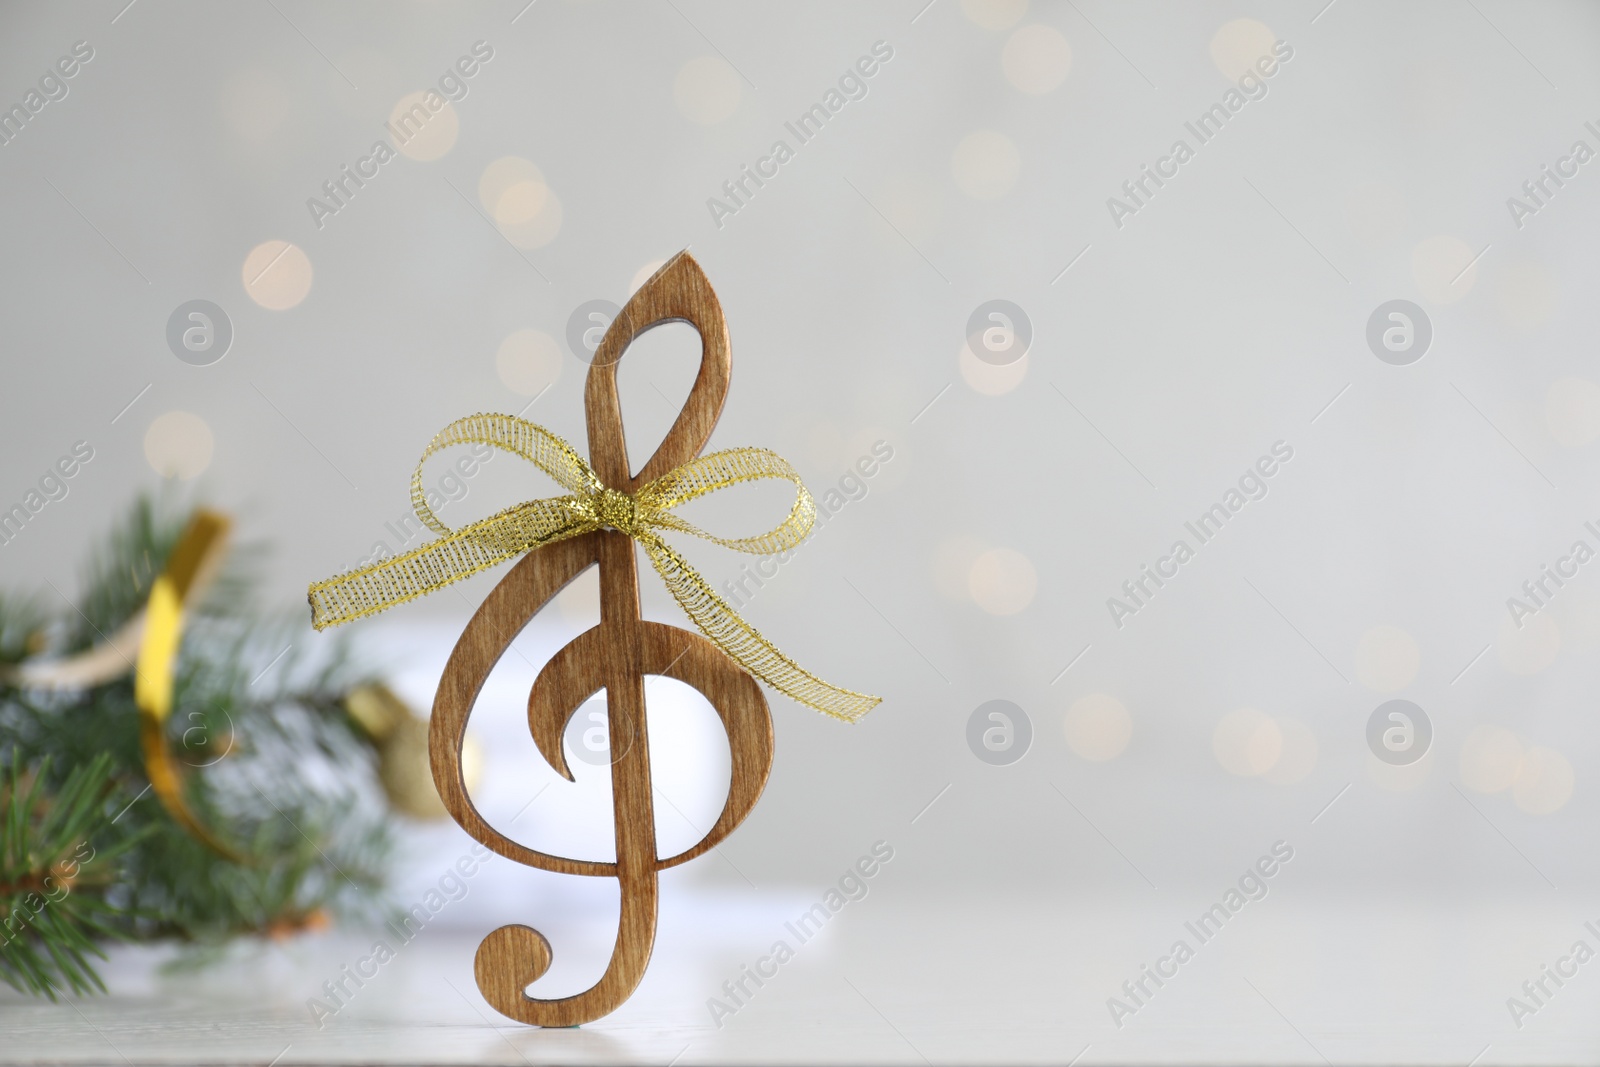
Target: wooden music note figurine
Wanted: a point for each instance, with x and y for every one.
(606, 511)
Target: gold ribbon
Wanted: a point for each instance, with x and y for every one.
(190, 566)
(590, 505)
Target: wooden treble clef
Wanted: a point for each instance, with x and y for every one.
(614, 656)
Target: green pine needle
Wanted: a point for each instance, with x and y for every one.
(49, 872)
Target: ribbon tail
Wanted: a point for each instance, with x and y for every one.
(744, 642)
(484, 544)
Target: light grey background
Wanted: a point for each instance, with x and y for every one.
(1168, 354)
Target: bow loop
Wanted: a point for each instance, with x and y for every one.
(720, 470)
(529, 440)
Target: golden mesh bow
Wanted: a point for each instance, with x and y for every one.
(590, 505)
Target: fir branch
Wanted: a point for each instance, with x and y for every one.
(52, 916)
(274, 763)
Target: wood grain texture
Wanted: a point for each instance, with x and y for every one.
(615, 657)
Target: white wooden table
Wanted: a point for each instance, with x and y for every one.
(960, 980)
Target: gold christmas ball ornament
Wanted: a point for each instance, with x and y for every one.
(401, 737)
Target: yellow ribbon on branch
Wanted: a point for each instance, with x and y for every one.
(189, 568)
(590, 505)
